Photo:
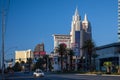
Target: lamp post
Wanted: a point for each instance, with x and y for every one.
(3, 31)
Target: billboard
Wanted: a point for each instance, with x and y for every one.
(41, 53)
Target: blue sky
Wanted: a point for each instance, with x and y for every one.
(30, 22)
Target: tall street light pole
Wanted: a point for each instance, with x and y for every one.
(3, 32)
(3, 38)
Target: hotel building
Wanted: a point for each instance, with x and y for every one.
(80, 32)
(39, 50)
(23, 55)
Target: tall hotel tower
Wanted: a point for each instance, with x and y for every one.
(119, 20)
(80, 32)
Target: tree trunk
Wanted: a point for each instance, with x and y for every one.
(66, 63)
(76, 64)
(119, 63)
(94, 65)
(70, 62)
(108, 70)
(90, 66)
(61, 62)
(118, 69)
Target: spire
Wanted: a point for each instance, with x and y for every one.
(76, 11)
(85, 18)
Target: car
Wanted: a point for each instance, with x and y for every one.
(38, 73)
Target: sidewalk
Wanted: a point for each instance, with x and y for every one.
(99, 74)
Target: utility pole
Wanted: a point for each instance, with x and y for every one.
(3, 33)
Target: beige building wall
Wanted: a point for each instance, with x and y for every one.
(23, 55)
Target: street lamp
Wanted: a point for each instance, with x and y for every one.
(3, 31)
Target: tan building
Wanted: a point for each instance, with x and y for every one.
(23, 55)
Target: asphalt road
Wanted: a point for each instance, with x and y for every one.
(29, 76)
(48, 76)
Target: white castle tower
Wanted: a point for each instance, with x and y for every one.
(75, 26)
(80, 32)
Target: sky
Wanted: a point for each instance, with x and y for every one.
(31, 22)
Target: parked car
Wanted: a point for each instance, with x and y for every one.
(38, 73)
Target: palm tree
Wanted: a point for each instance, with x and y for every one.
(50, 67)
(62, 50)
(66, 59)
(17, 67)
(118, 52)
(46, 61)
(71, 53)
(29, 62)
(94, 56)
(20, 60)
(89, 46)
(22, 63)
(108, 66)
(39, 64)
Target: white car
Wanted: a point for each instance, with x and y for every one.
(38, 73)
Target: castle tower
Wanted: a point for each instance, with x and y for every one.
(75, 26)
(87, 28)
(80, 32)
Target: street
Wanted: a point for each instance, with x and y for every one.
(49, 76)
